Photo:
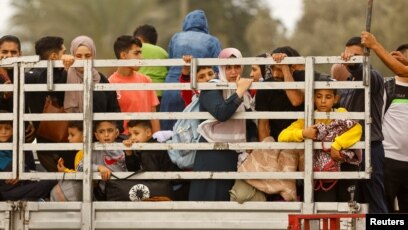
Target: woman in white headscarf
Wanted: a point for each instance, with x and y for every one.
(221, 104)
(82, 48)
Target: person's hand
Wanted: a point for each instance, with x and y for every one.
(29, 133)
(335, 154)
(278, 57)
(368, 40)
(67, 61)
(186, 69)
(310, 132)
(105, 172)
(400, 57)
(60, 165)
(127, 142)
(7, 95)
(243, 85)
(11, 181)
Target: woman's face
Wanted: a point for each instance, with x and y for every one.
(83, 53)
(256, 73)
(232, 72)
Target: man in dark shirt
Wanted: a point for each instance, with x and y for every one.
(372, 190)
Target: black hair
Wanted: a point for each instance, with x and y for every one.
(402, 47)
(143, 123)
(147, 32)
(124, 43)
(5, 122)
(11, 38)
(48, 45)
(286, 50)
(97, 123)
(354, 41)
(76, 124)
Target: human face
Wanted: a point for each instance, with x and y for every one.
(325, 99)
(106, 132)
(6, 132)
(83, 53)
(232, 72)
(256, 73)
(9, 49)
(277, 73)
(75, 135)
(139, 134)
(205, 74)
(135, 52)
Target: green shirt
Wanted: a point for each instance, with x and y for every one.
(156, 73)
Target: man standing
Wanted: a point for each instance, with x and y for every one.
(372, 190)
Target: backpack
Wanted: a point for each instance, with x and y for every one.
(185, 131)
(389, 86)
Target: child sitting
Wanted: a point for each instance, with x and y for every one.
(140, 131)
(343, 133)
(70, 190)
(14, 189)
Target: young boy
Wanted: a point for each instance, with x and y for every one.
(343, 133)
(204, 74)
(107, 161)
(75, 135)
(127, 47)
(140, 131)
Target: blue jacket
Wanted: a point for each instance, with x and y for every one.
(194, 40)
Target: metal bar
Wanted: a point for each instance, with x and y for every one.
(87, 210)
(366, 62)
(193, 73)
(50, 75)
(21, 128)
(309, 108)
(13, 60)
(15, 147)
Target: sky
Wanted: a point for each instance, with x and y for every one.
(288, 11)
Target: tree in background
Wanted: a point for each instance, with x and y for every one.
(235, 23)
(326, 25)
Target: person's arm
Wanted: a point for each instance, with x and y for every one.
(348, 138)
(155, 123)
(295, 96)
(213, 100)
(263, 129)
(293, 133)
(368, 40)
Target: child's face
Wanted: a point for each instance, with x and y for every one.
(205, 74)
(324, 100)
(256, 73)
(75, 135)
(135, 52)
(106, 132)
(139, 134)
(6, 132)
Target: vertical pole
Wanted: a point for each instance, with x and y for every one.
(193, 73)
(19, 79)
(87, 210)
(15, 120)
(50, 75)
(308, 205)
(366, 62)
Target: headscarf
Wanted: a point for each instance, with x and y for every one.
(227, 53)
(266, 71)
(73, 101)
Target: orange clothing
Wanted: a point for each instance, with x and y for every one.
(134, 100)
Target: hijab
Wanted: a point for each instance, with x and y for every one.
(74, 100)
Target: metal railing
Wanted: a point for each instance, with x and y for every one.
(19, 116)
